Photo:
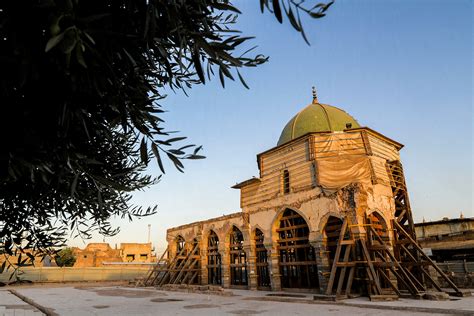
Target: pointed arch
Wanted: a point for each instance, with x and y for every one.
(280, 214)
(214, 260)
(331, 232)
(181, 250)
(195, 266)
(297, 258)
(261, 254)
(379, 224)
(180, 245)
(238, 258)
(324, 221)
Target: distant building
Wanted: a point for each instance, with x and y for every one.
(133, 252)
(447, 239)
(41, 260)
(99, 254)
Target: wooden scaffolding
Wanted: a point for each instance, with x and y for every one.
(368, 263)
(184, 268)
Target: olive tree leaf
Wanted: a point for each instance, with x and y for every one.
(53, 41)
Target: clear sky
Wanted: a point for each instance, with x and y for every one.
(402, 68)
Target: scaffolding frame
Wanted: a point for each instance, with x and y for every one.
(386, 270)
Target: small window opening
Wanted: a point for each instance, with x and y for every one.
(286, 182)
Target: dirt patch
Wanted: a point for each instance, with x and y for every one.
(196, 306)
(163, 300)
(121, 292)
(19, 306)
(101, 306)
(245, 312)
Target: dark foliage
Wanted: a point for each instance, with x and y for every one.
(65, 257)
(80, 86)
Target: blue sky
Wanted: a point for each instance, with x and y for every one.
(402, 68)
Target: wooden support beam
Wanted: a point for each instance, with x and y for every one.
(342, 274)
(371, 271)
(336, 257)
(435, 266)
(158, 268)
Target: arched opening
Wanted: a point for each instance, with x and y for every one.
(332, 230)
(378, 238)
(181, 250)
(297, 259)
(263, 276)
(195, 266)
(379, 225)
(180, 246)
(286, 182)
(238, 258)
(214, 270)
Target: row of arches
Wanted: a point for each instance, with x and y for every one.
(238, 259)
(296, 256)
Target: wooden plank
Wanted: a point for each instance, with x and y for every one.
(387, 279)
(297, 263)
(342, 274)
(407, 278)
(187, 263)
(415, 244)
(172, 265)
(350, 278)
(347, 264)
(336, 257)
(372, 274)
(435, 284)
(304, 238)
(153, 272)
(293, 247)
(282, 229)
(348, 242)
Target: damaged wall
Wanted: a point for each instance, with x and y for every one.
(331, 175)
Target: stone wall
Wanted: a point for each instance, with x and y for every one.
(291, 179)
(312, 205)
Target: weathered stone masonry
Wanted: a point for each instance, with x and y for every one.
(324, 168)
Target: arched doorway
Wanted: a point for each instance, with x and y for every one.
(238, 258)
(332, 230)
(263, 276)
(180, 245)
(378, 238)
(297, 259)
(379, 225)
(181, 250)
(195, 266)
(214, 270)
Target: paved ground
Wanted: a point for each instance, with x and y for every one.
(11, 305)
(121, 300)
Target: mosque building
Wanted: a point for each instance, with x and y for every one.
(327, 184)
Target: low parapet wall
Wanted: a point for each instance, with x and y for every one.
(460, 272)
(57, 274)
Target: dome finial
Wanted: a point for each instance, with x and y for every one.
(315, 96)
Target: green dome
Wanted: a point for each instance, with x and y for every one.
(316, 117)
